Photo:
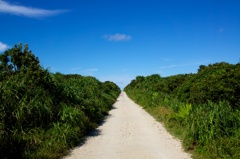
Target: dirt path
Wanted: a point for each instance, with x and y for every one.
(129, 133)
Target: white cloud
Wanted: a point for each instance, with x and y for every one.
(3, 47)
(20, 10)
(118, 37)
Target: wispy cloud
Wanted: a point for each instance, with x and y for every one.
(89, 72)
(75, 69)
(82, 71)
(220, 30)
(117, 37)
(3, 47)
(181, 65)
(169, 66)
(21, 10)
(175, 69)
(53, 69)
(166, 59)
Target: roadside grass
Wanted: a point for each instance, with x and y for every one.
(207, 131)
(202, 109)
(162, 114)
(43, 115)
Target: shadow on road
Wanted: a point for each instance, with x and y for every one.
(96, 132)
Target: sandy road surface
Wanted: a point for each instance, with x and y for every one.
(129, 133)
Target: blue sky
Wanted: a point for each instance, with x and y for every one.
(118, 40)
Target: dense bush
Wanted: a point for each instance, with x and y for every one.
(215, 82)
(202, 108)
(42, 115)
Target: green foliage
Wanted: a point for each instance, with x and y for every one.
(209, 123)
(215, 82)
(42, 115)
(183, 113)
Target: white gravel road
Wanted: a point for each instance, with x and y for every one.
(129, 133)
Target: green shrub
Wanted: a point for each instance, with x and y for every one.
(215, 82)
(209, 123)
(42, 115)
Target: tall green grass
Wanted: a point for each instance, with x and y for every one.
(208, 131)
(201, 109)
(43, 115)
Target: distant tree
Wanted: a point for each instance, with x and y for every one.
(20, 60)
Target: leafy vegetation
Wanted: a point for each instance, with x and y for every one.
(42, 115)
(202, 109)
